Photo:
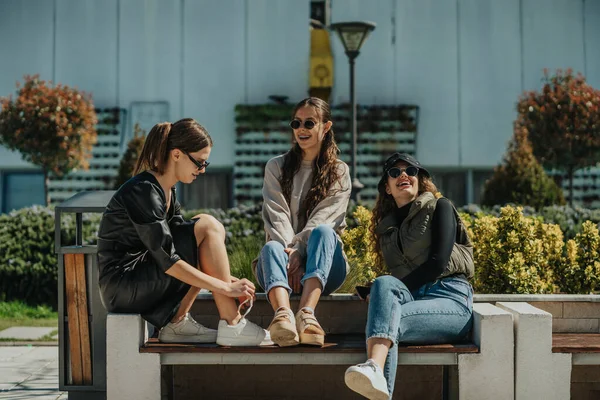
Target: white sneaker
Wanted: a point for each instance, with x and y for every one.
(367, 380)
(187, 331)
(245, 333)
(267, 340)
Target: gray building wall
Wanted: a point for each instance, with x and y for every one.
(464, 62)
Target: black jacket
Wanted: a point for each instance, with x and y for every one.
(136, 225)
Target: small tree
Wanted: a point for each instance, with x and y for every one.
(134, 149)
(52, 126)
(563, 123)
(520, 179)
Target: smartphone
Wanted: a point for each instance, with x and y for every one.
(363, 291)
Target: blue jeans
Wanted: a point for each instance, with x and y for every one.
(325, 261)
(437, 312)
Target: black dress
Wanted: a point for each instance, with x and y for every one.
(138, 241)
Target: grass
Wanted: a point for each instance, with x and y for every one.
(241, 253)
(16, 313)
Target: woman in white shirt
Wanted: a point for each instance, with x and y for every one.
(305, 193)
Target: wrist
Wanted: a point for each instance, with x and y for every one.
(222, 287)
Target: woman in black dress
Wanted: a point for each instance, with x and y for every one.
(152, 262)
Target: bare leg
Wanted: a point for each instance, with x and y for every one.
(278, 296)
(311, 292)
(210, 236)
(186, 304)
(377, 350)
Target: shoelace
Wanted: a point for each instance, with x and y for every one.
(249, 299)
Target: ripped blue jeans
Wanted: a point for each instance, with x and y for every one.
(437, 312)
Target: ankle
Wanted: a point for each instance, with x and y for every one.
(177, 319)
(234, 320)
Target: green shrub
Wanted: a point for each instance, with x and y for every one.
(28, 263)
(580, 271)
(515, 254)
(129, 159)
(357, 246)
(239, 222)
(520, 179)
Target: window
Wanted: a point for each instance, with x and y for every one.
(452, 184)
(210, 190)
(319, 11)
(21, 189)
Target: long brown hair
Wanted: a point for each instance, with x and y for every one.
(186, 135)
(325, 165)
(385, 204)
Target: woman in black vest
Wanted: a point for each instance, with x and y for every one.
(427, 298)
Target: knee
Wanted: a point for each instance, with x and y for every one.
(383, 284)
(272, 248)
(323, 232)
(208, 225)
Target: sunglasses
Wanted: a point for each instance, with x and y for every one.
(199, 165)
(395, 172)
(308, 124)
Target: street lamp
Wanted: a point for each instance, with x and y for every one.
(353, 35)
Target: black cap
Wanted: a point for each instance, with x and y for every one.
(407, 158)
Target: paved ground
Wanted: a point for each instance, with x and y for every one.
(29, 372)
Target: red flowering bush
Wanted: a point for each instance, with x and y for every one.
(563, 122)
(53, 126)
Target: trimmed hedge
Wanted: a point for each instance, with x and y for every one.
(517, 250)
(28, 263)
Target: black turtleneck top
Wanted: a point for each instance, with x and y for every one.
(443, 237)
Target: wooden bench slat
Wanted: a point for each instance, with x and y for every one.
(84, 326)
(73, 324)
(576, 343)
(334, 344)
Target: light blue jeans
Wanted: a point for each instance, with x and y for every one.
(325, 261)
(437, 312)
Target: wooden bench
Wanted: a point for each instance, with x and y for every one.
(134, 360)
(584, 348)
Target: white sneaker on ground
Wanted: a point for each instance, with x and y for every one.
(187, 330)
(367, 380)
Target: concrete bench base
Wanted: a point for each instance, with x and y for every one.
(132, 374)
(540, 374)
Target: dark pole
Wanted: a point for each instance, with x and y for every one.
(356, 185)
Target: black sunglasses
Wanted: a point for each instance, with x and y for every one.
(395, 172)
(308, 124)
(200, 165)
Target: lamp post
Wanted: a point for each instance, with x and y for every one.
(353, 35)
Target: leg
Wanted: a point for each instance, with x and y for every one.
(441, 315)
(325, 272)
(388, 298)
(271, 272)
(210, 237)
(374, 379)
(325, 266)
(186, 304)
